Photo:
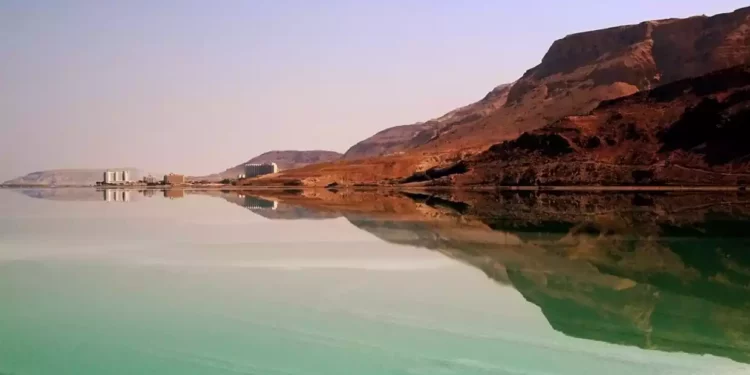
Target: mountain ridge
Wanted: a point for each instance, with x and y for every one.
(577, 73)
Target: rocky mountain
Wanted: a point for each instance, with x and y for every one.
(577, 73)
(66, 177)
(581, 70)
(404, 137)
(690, 132)
(288, 159)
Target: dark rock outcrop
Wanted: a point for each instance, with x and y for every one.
(690, 132)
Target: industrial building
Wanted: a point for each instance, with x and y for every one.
(116, 177)
(174, 179)
(116, 195)
(255, 170)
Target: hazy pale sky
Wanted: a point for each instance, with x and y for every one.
(198, 86)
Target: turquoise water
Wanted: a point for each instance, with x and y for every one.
(199, 285)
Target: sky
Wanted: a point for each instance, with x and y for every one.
(195, 87)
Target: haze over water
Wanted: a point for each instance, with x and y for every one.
(223, 283)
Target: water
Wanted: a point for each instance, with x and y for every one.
(370, 283)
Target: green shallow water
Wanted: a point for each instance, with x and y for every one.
(201, 286)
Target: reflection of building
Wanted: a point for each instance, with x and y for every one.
(116, 177)
(116, 195)
(174, 193)
(149, 192)
(255, 203)
(174, 179)
(254, 170)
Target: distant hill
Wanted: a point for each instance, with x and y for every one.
(66, 177)
(287, 159)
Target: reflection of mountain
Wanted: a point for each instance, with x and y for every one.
(81, 194)
(287, 212)
(95, 194)
(268, 207)
(659, 271)
(62, 194)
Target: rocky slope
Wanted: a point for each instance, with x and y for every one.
(288, 159)
(400, 138)
(690, 132)
(66, 177)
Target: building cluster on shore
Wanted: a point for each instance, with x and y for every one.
(122, 177)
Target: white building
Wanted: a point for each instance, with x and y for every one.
(255, 170)
(116, 177)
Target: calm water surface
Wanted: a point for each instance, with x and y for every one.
(228, 284)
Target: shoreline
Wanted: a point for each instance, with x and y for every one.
(593, 188)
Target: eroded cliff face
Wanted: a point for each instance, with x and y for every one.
(690, 132)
